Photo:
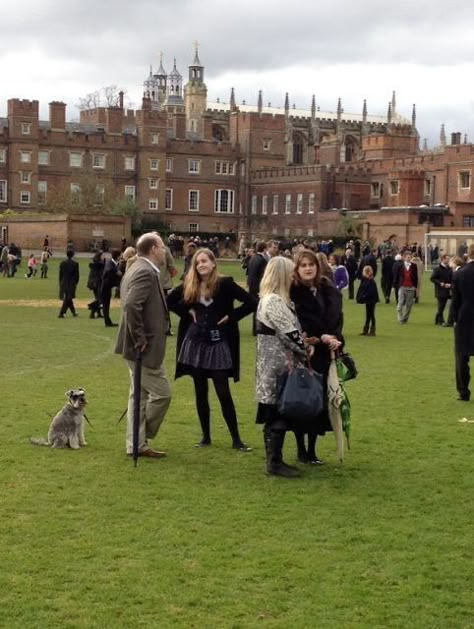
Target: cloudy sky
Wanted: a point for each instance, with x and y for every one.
(423, 49)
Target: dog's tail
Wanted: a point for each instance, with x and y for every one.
(40, 441)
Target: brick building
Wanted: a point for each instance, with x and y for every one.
(222, 167)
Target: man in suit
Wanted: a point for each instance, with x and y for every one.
(407, 281)
(110, 280)
(68, 280)
(387, 274)
(143, 328)
(351, 268)
(463, 317)
(442, 278)
(255, 270)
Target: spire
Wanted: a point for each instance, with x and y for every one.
(196, 61)
(389, 114)
(465, 138)
(442, 136)
(425, 145)
(151, 70)
(287, 104)
(313, 107)
(161, 71)
(394, 103)
(339, 109)
(364, 111)
(413, 116)
(232, 100)
(260, 101)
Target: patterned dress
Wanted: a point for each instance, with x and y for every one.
(279, 342)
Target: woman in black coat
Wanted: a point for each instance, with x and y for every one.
(318, 306)
(208, 343)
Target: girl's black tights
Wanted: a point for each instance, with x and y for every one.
(221, 385)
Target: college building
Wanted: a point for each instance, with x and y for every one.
(260, 170)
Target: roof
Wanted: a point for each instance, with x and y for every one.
(306, 113)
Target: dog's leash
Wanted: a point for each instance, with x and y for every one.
(122, 416)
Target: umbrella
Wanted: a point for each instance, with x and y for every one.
(137, 383)
(338, 406)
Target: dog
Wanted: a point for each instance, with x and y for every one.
(67, 427)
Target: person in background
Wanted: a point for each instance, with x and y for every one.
(68, 281)
(351, 267)
(416, 259)
(167, 272)
(110, 279)
(324, 266)
(255, 270)
(44, 259)
(370, 258)
(463, 319)
(407, 280)
(4, 261)
(318, 307)
(188, 257)
(208, 343)
(273, 249)
(32, 266)
(387, 274)
(94, 283)
(341, 276)
(455, 264)
(368, 294)
(398, 263)
(442, 278)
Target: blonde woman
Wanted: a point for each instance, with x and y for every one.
(278, 336)
(208, 344)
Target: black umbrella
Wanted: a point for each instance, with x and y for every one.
(137, 384)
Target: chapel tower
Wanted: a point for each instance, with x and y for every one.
(195, 96)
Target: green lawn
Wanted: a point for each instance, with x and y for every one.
(204, 538)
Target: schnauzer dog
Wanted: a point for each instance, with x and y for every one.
(67, 428)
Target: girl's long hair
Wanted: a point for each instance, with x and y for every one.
(277, 278)
(323, 264)
(192, 281)
(308, 254)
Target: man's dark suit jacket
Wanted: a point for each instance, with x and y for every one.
(68, 278)
(463, 309)
(368, 260)
(398, 274)
(442, 275)
(255, 270)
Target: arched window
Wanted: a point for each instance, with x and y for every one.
(298, 148)
(350, 148)
(218, 133)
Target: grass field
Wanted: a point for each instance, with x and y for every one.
(204, 538)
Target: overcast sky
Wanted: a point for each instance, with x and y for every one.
(423, 49)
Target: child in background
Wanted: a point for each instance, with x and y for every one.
(32, 264)
(368, 294)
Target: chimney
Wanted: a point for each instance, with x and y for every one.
(113, 120)
(121, 99)
(57, 115)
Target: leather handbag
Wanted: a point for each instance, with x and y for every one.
(301, 394)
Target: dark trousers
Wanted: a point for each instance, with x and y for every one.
(351, 288)
(67, 304)
(386, 288)
(106, 296)
(442, 301)
(369, 316)
(463, 374)
(221, 385)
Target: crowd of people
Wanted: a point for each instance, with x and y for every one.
(295, 297)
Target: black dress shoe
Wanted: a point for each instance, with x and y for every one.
(464, 398)
(241, 446)
(204, 443)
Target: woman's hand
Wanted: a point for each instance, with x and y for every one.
(331, 341)
(223, 320)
